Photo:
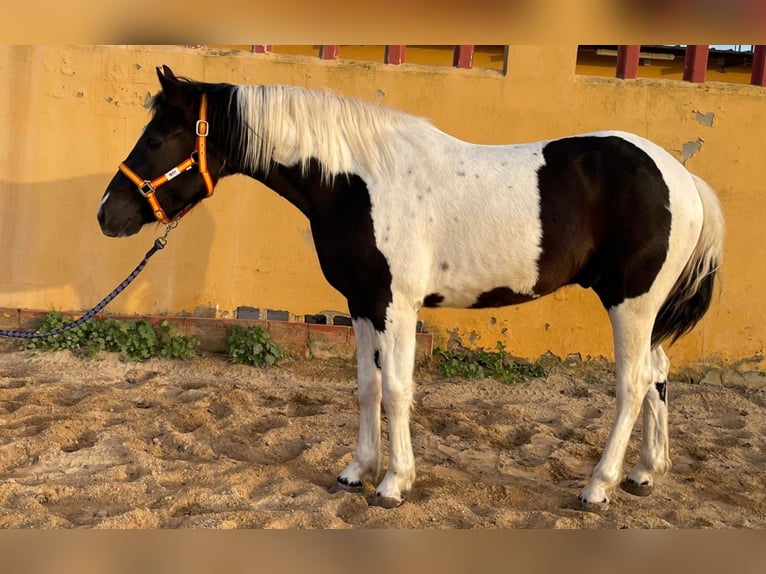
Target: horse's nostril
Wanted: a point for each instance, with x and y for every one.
(101, 216)
(107, 227)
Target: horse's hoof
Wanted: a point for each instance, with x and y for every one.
(385, 501)
(596, 507)
(636, 489)
(347, 485)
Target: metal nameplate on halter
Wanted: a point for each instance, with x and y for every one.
(201, 128)
(175, 172)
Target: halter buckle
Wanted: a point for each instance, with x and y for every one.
(146, 188)
(201, 128)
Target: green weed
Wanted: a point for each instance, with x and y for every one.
(480, 363)
(253, 346)
(134, 340)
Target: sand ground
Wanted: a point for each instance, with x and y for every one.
(100, 443)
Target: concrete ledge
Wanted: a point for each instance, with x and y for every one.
(304, 340)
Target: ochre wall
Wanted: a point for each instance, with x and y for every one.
(69, 115)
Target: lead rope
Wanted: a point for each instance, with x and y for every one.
(159, 244)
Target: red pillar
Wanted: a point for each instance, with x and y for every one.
(395, 54)
(627, 61)
(695, 64)
(329, 52)
(463, 57)
(262, 48)
(758, 77)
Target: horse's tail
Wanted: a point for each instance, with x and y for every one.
(690, 298)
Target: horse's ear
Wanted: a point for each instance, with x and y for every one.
(164, 71)
(170, 84)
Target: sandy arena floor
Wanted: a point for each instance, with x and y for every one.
(105, 444)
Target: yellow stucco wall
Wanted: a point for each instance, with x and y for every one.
(69, 115)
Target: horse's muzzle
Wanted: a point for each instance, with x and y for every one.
(112, 228)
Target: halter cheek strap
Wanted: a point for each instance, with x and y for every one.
(148, 188)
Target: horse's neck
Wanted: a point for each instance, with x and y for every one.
(296, 187)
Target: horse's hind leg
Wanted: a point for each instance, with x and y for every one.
(632, 322)
(655, 456)
(366, 462)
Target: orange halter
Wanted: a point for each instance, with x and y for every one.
(198, 157)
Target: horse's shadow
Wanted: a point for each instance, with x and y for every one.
(55, 256)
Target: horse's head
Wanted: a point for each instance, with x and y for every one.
(171, 167)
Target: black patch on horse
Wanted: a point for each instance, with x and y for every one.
(433, 300)
(662, 390)
(340, 214)
(604, 209)
(499, 297)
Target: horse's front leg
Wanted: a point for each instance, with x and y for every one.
(366, 462)
(397, 353)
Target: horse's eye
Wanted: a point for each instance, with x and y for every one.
(154, 143)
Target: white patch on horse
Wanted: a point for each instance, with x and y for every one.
(480, 234)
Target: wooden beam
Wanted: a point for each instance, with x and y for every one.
(758, 77)
(695, 63)
(463, 57)
(627, 61)
(395, 54)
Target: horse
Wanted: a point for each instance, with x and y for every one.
(405, 216)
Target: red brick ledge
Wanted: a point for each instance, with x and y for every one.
(303, 340)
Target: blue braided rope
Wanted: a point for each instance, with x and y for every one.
(159, 244)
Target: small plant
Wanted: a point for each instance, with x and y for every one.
(175, 346)
(134, 340)
(480, 363)
(253, 346)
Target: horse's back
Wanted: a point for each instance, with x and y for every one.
(511, 223)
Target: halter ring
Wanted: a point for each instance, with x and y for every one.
(146, 188)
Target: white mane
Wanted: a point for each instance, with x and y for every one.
(292, 125)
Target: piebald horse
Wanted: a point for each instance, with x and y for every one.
(405, 216)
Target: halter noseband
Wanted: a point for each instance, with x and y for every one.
(198, 157)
